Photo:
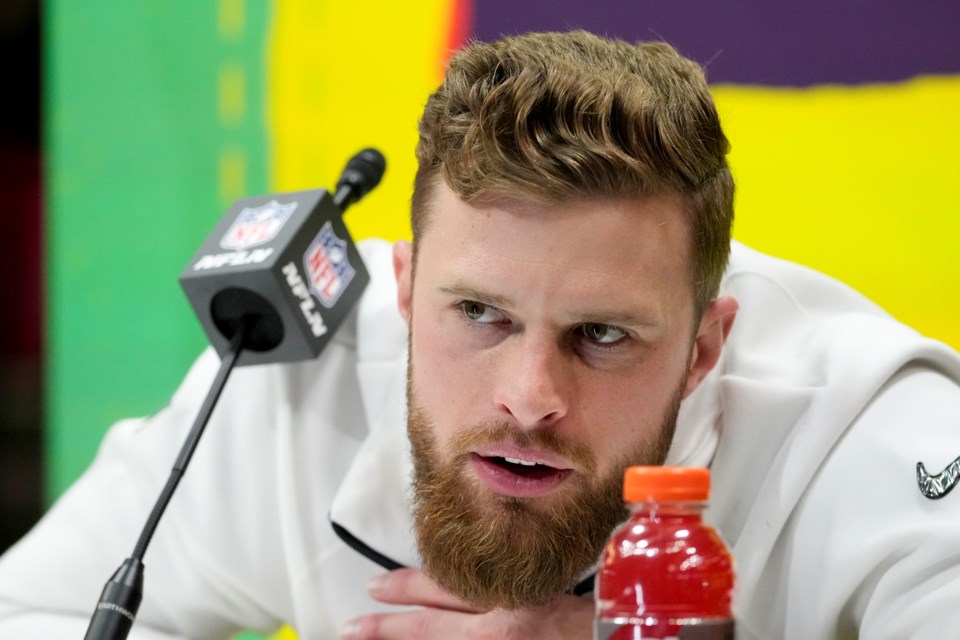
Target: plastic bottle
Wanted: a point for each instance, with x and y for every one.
(665, 573)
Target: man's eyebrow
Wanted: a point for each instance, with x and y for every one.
(615, 318)
(619, 319)
(469, 293)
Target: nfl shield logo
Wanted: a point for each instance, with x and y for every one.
(257, 225)
(327, 267)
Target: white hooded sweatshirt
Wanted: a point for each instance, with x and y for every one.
(812, 423)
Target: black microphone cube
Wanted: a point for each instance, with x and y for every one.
(283, 263)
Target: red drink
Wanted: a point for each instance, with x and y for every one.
(664, 573)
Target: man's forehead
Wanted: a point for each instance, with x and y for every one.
(443, 198)
(588, 233)
(614, 261)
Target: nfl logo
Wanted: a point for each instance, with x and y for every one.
(327, 267)
(257, 225)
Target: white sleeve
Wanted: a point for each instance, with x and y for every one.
(204, 568)
(869, 554)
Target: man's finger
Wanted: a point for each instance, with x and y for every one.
(411, 586)
(424, 625)
(568, 617)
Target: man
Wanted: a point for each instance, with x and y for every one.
(569, 311)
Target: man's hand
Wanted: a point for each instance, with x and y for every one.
(444, 616)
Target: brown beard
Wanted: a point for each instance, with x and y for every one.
(501, 551)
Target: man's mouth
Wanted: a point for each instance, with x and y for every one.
(525, 468)
(519, 477)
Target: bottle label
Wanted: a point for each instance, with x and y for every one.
(632, 630)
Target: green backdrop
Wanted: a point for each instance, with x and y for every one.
(154, 123)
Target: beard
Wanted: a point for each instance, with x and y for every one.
(502, 551)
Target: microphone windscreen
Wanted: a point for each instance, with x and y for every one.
(363, 172)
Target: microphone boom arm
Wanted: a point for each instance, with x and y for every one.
(121, 596)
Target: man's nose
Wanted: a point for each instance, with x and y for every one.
(533, 381)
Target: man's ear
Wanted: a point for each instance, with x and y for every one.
(403, 270)
(713, 331)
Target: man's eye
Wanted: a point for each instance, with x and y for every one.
(481, 313)
(602, 333)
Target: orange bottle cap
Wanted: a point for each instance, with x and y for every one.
(665, 484)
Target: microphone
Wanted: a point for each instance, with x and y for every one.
(362, 173)
(255, 284)
(287, 264)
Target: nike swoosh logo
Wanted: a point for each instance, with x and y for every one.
(937, 486)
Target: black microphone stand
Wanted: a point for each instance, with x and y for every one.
(121, 596)
(120, 599)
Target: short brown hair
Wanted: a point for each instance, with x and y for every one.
(563, 116)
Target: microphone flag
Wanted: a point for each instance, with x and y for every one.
(286, 264)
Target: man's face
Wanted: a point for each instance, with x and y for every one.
(550, 347)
